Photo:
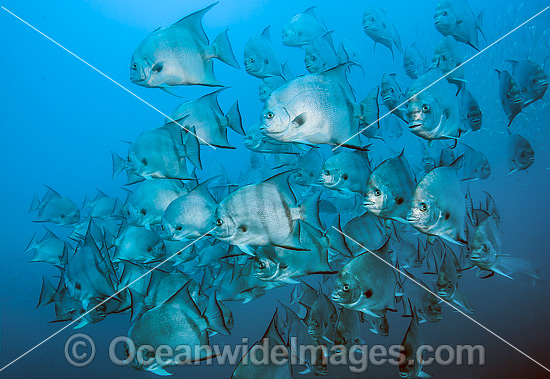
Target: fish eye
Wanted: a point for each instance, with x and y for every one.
(425, 108)
(219, 222)
(134, 65)
(377, 192)
(444, 13)
(252, 60)
(269, 115)
(62, 216)
(162, 227)
(450, 284)
(443, 58)
(327, 172)
(261, 265)
(346, 287)
(313, 57)
(423, 207)
(485, 247)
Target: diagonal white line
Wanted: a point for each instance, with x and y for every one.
(104, 301)
(441, 299)
(444, 76)
(106, 76)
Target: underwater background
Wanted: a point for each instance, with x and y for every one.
(60, 120)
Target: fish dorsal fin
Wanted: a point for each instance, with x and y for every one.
(212, 98)
(457, 163)
(310, 11)
(339, 72)
(282, 182)
(193, 22)
(265, 33)
(50, 195)
(328, 38)
(183, 297)
(272, 333)
(202, 190)
(512, 62)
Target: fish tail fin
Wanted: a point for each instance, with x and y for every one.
(32, 244)
(214, 316)
(234, 119)
(480, 24)
(310, 209)
(119, 164)
(192, 149)
(460, 299)
(223, 51)
(370, 109)
(508, 266)
(35, 204)
(47, 294)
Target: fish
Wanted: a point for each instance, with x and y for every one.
(242, 217)
(208, 120)
(268, 85)
(409, 254)
(102, 206)
(447, 156)
(346, 172)
(531, 78)
(260, 57)
(309, 168)
(285, 265)
(50, 249)
(389, 188)
(414, 63)
(180, 54)
(55, 208)
(89, 272)
(347, 331)
(424, 303)
(520, 154)
(266, 367)
(320, 54)
(511, 96)
(410, 363)
(159, 153)
(368, 230)
(455, 18)
(428, 161)
(487, 254)
(190, 215)
(147, 204)
(302, 29)
(437, 206)
(392, 96)
(471, 116)
(321, 318)
(449, 272)
(380, 29)
(433, 113)
(318, 109)
(177, 322)
(476, 164)
(447, 59)
(256, 141)
(367, 284)
(137, 244)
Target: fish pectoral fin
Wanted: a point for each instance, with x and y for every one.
(299, 120)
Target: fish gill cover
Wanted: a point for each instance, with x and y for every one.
(279, 178)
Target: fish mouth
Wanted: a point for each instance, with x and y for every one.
(368, 203)
(517, 100)
(387, 98)
(415, 126)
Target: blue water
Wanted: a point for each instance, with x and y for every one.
(60, 119)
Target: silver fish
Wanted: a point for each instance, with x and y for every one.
(55, 208)
(511, 96)
(159, 153)
(347, 331)
(470, 112)
(368, 230)
(531, 78)
(448, 275)
(242, 217)
(520, 154)
(102, 206)
(137, 244)
(433, 113)
(318, 109)
(378, 325)
(179, 54)
(346, 172)
(425, 304)
(476, 164)
(206, 116)
(177, 322)
(414, 63)
(50, 249)
(268, 85)
(320, 54)
(392, 95)
(260, 58)
(302, 29)
(190, 215)
(256, 141)
(309, 168)
(321, 318)
(456, 18)
(146, 205)
(437, 206)
(380, 29)
(366, 284)
(410, 364)
(449, 61)
(389, 188)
